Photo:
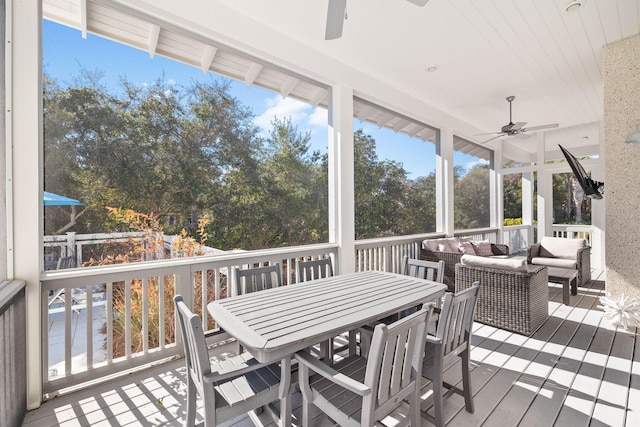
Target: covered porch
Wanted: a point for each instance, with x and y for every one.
(575, 363)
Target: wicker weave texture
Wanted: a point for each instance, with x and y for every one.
(509, 300)
(451, 259)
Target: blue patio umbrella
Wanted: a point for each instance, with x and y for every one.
(52, 199)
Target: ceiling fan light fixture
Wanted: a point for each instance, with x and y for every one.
(574, 6)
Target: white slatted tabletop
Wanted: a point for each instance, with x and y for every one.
(275, 323)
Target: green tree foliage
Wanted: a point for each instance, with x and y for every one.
(420, 206)
(565, 187)
(380, 191)
(512, 190)
(182, 152)
(471, 202)
(179, 153)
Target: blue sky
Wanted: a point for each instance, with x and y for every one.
(65, 52)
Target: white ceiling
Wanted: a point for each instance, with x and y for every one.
(549, 59)
(485, 51)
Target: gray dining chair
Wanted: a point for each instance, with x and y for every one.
(314, 269)
(66, 262)
(359, 391)
(422, 269)
(320, 269)
(452, 341)
(228, 388)
(257, 279)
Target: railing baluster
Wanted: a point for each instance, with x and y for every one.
(127, 318)
(109, 313)
(89, 316)
(162, 282)
(203, 302)
(145, 314)
(67, 330)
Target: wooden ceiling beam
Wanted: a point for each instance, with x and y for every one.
(252, 73)
(154, 36)
(207, 58)
(288, 85)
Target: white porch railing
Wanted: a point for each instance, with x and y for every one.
(573, 232)
(102, 319)
(72, 244)
(517, 237)
(490, 234)
(386, 253)
(13, 347)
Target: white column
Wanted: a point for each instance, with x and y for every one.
(545, 191)
(527, 204)
(26, 201)
(444, 183)
(341, 178)
(496, 194)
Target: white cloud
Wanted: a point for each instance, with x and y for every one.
(479, 162)
(303, 115)
(319, 118)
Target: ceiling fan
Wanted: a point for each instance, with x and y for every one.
(518, 128)
(337, 14)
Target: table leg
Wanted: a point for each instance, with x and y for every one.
(565, 292)
(285, 392)
(574, 285)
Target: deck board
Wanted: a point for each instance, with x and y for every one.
(575, 370)
(527, 388)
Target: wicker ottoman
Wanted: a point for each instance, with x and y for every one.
(516, 301)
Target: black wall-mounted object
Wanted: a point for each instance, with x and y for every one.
(591, 188)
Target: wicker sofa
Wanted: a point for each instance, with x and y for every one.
(508, 299)
(452, 257)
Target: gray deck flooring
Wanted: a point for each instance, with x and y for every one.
(575, 370)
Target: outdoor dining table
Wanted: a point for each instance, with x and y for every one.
(275, 323)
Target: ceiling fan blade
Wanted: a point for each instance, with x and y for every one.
(555, 125)
(419, 2)
(335, 19)
(517, 126)
(490, 133)
(491, 139)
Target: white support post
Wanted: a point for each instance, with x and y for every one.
(444, 183)
(545, 191)
(341, 177)
(527, 204)
(496, 194)
(26, 204)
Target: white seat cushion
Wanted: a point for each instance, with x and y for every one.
(555, 262)
(511, 264)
